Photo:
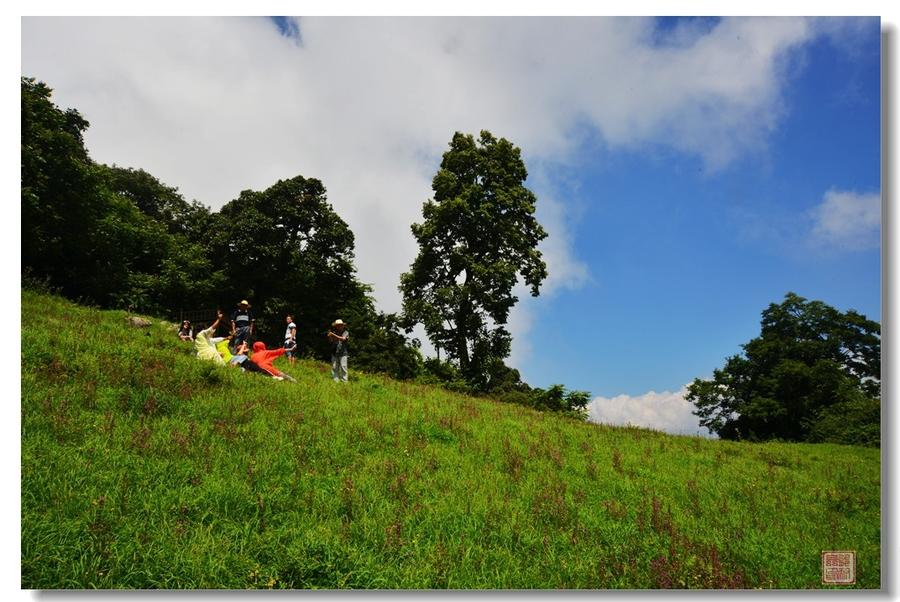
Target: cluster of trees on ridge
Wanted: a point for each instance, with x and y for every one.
(813, 374)
(118, 237)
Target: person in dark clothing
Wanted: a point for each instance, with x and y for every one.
(242, 323)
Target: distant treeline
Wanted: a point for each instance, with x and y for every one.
(119, 238)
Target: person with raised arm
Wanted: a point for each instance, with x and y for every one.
(205, 343)
(263, 358)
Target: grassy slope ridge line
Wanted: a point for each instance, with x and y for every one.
(143, 467)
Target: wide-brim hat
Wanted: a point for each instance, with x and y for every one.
(244, 302)
(337, 323)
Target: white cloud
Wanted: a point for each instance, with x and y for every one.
(565, 270)
(218, 105)
(847, 220)
(667, 411)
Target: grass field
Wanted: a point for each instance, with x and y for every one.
(143, 467)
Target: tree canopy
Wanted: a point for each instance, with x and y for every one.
(478, 237)
(813, 374)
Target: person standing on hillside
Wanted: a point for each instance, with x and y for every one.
(205, 343)
(340, 349)
(242, 323)
(290, 339)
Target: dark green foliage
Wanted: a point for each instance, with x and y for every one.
(62, 200)
(505, 384)
(553, 399)
(856, 421)
(444, 373)
(814, 373)
(384, 348)
(162, 203)
(479, 235)
(108, 235)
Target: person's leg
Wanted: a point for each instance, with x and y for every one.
(241, 334)
(335, 367)
(344, 374)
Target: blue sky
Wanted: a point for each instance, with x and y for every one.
(689, 171)
(685, 260)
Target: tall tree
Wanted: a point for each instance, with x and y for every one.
(109, 235)
(288, 249)
(479, 235)
(810, 363)
(62, 202)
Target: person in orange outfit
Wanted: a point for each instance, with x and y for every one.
(263, 358)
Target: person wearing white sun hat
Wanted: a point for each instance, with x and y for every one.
(340, 349)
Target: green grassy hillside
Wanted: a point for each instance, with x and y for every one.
(143, 467)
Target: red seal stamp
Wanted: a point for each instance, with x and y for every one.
(839, 568)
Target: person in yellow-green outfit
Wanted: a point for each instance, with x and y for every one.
(205, 343)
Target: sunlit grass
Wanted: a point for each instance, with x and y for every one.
(143, 467)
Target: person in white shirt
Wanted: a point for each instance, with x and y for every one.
(290, 339)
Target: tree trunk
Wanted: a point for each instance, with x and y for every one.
(462, 347)
(462, 338)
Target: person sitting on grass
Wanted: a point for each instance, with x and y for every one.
(241, 354)
(205, 343)
(263, 358)
(186, 333)
(241, 359)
